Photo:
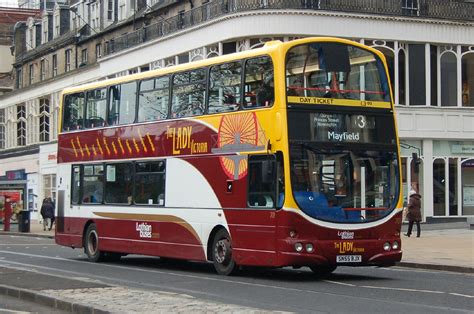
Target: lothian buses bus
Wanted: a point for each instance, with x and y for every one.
(286, 155)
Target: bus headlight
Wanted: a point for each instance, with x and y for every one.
(395, 245)
(387, 246)
(298, 247)
(309, 248)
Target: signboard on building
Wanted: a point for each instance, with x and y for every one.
(462, 149)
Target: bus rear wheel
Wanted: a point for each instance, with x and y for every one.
(323, 270)
(91, 245)
(222, 253)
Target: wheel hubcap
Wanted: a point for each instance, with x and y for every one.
(222, 251)
(92, 243)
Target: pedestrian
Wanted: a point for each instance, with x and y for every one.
(414, 212)
(47, 212)
(53, 216)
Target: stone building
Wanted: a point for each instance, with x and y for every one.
(429, 46)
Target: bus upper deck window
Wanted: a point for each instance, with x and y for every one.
(73, 117)
(153, 98)
(259, 84)
(224, 87)
(122, 103)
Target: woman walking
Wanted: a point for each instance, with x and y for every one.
(414, 213)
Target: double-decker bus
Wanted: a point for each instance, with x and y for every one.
(286, 155)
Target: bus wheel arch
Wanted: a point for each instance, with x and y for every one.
(91, 243)
(220, 252)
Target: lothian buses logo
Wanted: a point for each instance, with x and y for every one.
(345, 235)
(144, 229)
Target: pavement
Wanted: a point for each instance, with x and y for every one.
(442, 247)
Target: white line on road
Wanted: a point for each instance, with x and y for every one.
(340, 283)
(208, 278)
(462, 295)
(403, 289)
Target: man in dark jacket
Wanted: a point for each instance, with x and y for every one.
(414, 212)
(47, 212)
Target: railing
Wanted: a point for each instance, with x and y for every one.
(437, 9)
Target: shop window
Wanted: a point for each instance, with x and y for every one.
(150, 183)
(118, 183)
(448, 79)
(439, 181)
(467, 183)
(453, 187)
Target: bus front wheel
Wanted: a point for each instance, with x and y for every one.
(222, 253)
(91, 245)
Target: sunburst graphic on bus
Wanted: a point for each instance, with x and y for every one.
(238, 133)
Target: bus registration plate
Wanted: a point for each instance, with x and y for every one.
(348, 258)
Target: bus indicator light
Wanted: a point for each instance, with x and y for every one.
(119, 141)
(150, 142)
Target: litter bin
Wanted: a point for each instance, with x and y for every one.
(24, 221)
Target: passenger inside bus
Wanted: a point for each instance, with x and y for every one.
(266, 93)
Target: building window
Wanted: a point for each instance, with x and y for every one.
(2, 128)
(45, 32)
(110, 10)
(31, 39)
(42, 69)
(44, 120)
(84, 57)
(19, 78)
(410, 7)
(67, 62)
(55, 65)
(98, 51)
(49, 186)
(56, 25)
(21, 125)
(32, 74)
(467, 69)
(448, 78)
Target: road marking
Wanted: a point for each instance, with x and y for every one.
(29, 244)
(206, 278)
(11, 311)
(462, 295)
(403, 289)
(340, 283)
